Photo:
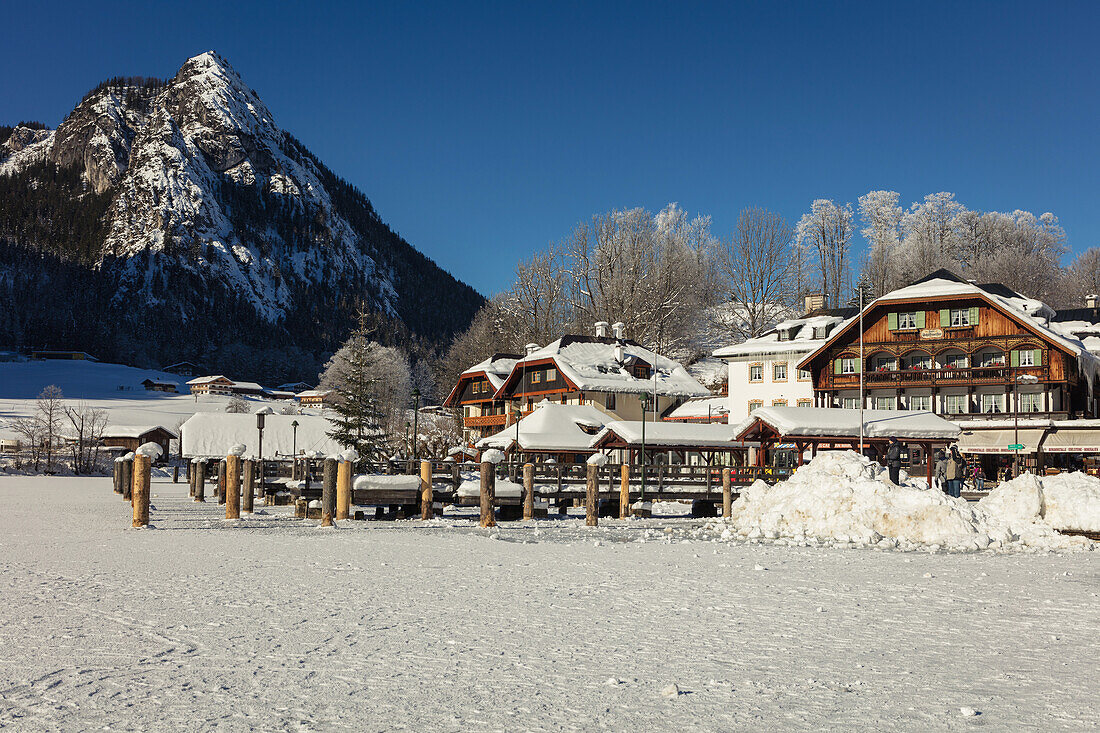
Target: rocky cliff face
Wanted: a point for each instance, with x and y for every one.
(209, 202)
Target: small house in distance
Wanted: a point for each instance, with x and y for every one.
(183, 369)
(67, 355)
(315, 397)
(126, 438)
(294, 387)
(159, 385)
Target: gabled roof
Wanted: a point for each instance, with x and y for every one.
(210, 378)
(601, 364)
(551, 428)
(495, 369)
(133, 431)
(701, 408)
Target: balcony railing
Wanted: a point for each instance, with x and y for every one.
(925, 377)
(479, 421)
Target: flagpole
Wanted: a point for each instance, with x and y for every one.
(862, 366)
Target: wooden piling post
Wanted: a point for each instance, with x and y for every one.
(141, 490)
(200, 481)
(232, 487)
(343, 489)
(328, 493)
(727, 495)
(426, 496)
(248, 481)
(488, 494)
(117, 477)
(127, 479)
(591, 497)
(624, 491)
(528, 491)
(221, 481)
(191, 479)
(176, 474)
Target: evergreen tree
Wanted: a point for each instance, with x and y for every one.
(358, 422)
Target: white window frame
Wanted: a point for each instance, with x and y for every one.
(804, 403)
(925, 399)
(1035, 398)
(775, 371)
(805, 375)
(948, 365)
(551, 375)
(960, 317)
(891, 364)
(755, 404)
(963, 402)
(850, 403)
(907, 321)
(1029, 355)
(884, 403)
(991, 399)
(759, 378)
(987, 358)
(847, 365)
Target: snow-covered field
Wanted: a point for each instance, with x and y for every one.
(111, 387)
(275, 624)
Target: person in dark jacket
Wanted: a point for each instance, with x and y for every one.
(893, 461)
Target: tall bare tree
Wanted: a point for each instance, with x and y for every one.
(756, 262)
(827, 230)
(51, 415)
(87, 429)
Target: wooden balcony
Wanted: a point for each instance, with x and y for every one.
(902, 378)
(481, 421)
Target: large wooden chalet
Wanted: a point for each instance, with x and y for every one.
(956, 349)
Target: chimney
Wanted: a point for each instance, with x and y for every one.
(532, 348)
(619, 329)
(1090, 301)
(601, 329)
(815, 301)
(620, 355)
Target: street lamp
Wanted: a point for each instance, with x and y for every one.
(260, 415)
(294, 439)
(416, 415)
(518, 415)
(1020, 379)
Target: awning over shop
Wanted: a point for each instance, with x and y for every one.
(998, 441)
(1069, 440)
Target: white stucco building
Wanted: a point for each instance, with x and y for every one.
(763, 371)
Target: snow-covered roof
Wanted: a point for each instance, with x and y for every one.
(162, 382)
(597, 364)
(551, 427)
(672, 434)
(700, 408)
(314, 393)
(496, 368)
(800, 338)
(210, 378)
(834, 421)
(133, 431)
(247, 385)
(212, 434)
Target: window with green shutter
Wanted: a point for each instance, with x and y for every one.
(920, 319)
(945, 317)
(892, 321)
(974, 316)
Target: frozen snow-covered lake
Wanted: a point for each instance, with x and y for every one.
(281, 626)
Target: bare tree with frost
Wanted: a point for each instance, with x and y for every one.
(880, 216)
(827, 231)
(755, 263)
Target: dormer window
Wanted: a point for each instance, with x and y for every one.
(821, 332)
(784, 334)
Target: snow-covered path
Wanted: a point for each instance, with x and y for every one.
(281, 626)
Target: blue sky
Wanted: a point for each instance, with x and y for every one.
(482, 132)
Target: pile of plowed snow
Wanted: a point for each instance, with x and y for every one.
(842, 497)
(1062, 501)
